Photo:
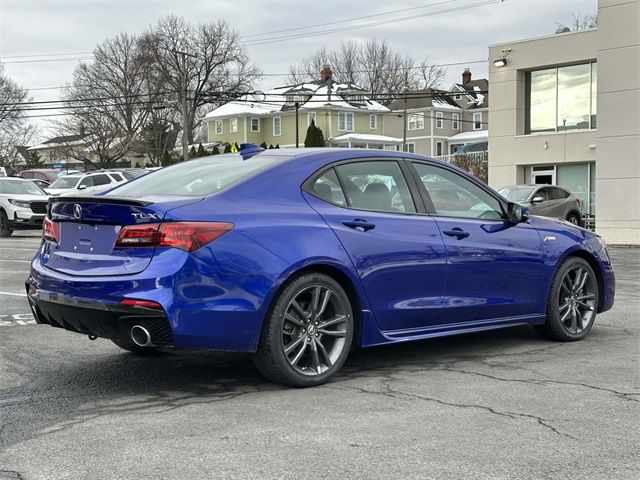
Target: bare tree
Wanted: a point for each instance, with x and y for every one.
(13, 143)
(372, 65)
(580, 21)
(201, 63)
(14, 132)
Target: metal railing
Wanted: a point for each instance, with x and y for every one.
(476, 163)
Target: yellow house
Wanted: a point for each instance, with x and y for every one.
(343, 111)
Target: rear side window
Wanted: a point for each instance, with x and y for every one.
(101, 179)
(328, 188)
(198, 177)
(557, 193)
(117, 177)
(377, 185)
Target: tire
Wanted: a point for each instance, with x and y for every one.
(572, 302)
(129, 346)
(573, 218)
(5, 231)
(317, 338)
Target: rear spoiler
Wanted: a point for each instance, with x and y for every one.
(100, 199)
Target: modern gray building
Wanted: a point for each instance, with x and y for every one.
(565, 111)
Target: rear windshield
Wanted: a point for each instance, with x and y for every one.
(203, 176)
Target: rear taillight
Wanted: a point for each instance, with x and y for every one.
(187, 236)
(50, 230)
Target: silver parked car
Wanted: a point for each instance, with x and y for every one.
(546, 200)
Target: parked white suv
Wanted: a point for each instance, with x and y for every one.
(86, 183)
(23, 205)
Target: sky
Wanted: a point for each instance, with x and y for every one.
(33, 30)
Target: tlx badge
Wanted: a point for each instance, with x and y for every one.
(145, 216)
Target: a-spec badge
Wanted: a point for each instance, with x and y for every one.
(77, 211)
(549, 238)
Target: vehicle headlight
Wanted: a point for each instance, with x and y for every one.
(19, 203)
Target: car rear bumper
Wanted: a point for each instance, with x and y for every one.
(98, 319)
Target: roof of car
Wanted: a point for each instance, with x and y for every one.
(39, 170)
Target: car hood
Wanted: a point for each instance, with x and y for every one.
(25, 197)
(551, 223)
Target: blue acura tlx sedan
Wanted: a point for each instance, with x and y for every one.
(301, 255)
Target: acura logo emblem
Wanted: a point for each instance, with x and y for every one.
(77, 211)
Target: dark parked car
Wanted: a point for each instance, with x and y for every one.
(301, 255)
(546, 200)
(47, 174)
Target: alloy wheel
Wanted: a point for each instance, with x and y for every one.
(314, 330)
(577, 300)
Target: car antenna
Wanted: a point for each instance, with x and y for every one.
(248, 150)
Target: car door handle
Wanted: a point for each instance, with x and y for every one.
(359, 224)
(456, 232)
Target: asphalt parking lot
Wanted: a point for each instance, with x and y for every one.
(503, 404)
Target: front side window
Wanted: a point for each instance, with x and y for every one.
(453, 195)
(276, 126)
(219, 129)
(345, 121)
(377, 185)
(373, 122)
(86, 182)
(233, 125)
(562, 98)
(255, 124)
(455, 121)
(439, 120)
(477, 121)
(415, 121)
(311, 117)
(328, 188)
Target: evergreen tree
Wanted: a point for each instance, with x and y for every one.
(277, 145)
(264, 145)
(215, 150)
(201, 151)
(315, 137)
(271, 146)
(35, 160)
(167, 159)
(227, 148)
(192, 152)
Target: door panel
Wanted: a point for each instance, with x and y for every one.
(495, 269)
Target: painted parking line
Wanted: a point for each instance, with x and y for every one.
(14, 294)
(17, 320)
(11, 260)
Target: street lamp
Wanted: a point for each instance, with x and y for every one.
(297, 104)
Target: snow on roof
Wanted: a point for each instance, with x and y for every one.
(475, 135)
(479, 96)
(365, 137)
(442, 105)
(321, 95)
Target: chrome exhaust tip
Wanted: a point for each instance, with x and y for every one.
(141, 336)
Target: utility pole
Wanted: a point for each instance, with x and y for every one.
(297, 141)
(404, 120)
(183, 82)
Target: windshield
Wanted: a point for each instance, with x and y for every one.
(516, 194)
(68, 181)
(18, 187)
(203, 176)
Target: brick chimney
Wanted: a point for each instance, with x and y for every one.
(325, 73)
(466, 76)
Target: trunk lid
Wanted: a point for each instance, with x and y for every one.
(89, 227)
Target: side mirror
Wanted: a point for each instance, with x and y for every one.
(82, 187)
(537, 199)
(517, 213)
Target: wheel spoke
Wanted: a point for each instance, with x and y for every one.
(567, 285)
(289, 348)
(585, 305)
(323, 352)
(586, 296)
(298, 356)
(577, 280)
(315, 358)
(333, 321)
(315, 301)
(583, 281)
(294, 320)
(333, 333)
(324, 303)
(574, 320)
(565, 305)
(565, 316)
(299, 309)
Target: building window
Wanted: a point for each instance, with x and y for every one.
(410, 147)
(311, 117)
(439, 146)
(233, 125)
(457, 97)
(439, 120)
(562, 98)
(477, 121)
(345, 121)
(455, 121)
(415, 121)
(219, 129)
(373, 122)
(276, 126)
(255, 124)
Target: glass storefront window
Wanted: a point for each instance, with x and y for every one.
(561, 98)
(579, 179)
